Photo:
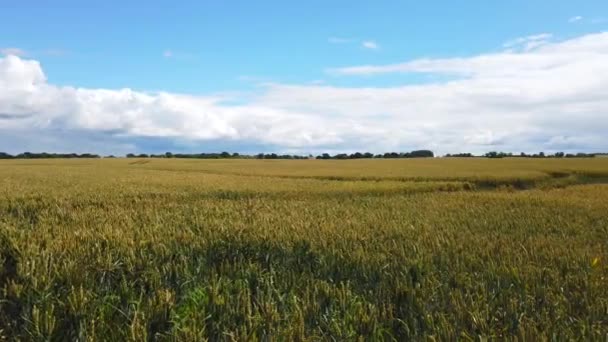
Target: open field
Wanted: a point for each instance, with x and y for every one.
(166, 249)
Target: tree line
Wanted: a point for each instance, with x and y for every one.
(44, 155)
(495, 154)
(387, 155)
(340, 156)
(222, 155)
(226, 155)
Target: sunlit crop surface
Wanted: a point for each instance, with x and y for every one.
(167, 249)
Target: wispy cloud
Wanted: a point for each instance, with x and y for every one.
(529, 42)
(527, 53)
(575, 19)
(370, 45)
(13, 51)
(340, 40)
(366, 44)
(177, 55)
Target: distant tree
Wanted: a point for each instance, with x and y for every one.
(495, 154)
(130, 155)
(341, 156)
(459, 155)
(168, 155)
(421, 154)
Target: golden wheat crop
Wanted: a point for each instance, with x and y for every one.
(166, 249)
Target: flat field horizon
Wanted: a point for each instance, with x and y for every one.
(176, 249)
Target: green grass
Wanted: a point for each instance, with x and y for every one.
(303, 250)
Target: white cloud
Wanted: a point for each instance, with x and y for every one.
(12, 51)
(575, 19)
(27, 100)
(167, 53)
(370, 44)
(517, 64)
(549, 98)
(366, 44)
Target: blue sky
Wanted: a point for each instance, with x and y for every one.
(228, 45)
(235, 50)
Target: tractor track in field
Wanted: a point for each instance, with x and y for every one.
(554, 179)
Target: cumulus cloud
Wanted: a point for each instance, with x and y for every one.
(549, 98)
(27, 100)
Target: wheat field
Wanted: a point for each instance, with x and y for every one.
(409, 249)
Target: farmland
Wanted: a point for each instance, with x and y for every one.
(166, 249)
